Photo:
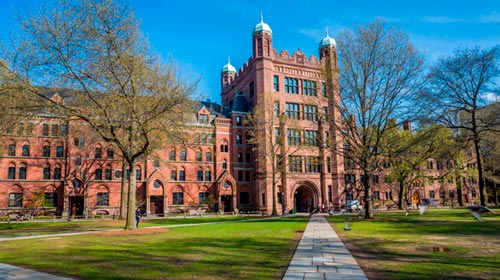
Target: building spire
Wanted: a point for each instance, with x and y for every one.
(326, 31)
(261, 17)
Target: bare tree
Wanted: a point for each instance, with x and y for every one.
(113, 81)
(379, 71)
(268, 131)
(458, 89)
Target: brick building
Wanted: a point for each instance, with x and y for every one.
(65, 166)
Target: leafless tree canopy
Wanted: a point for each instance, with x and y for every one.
(94, 56)
(379, 73)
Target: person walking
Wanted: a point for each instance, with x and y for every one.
(137, 217)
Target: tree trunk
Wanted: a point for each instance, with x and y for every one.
(483, 196)
(124, 193)
(131, 222)
(401, 194)
(368, 194)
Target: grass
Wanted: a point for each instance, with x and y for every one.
(25, 228)
(254, 249)
(441, 244)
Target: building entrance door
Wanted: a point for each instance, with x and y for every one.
(156, 204)
(76, 205)
(304, 199)
(226, 203)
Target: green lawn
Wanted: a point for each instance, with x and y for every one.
(441, 244)
(254, 249)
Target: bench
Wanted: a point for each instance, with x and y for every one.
(197, 212)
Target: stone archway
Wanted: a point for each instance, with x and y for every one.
(305, 198)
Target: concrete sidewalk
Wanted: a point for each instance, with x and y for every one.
(322, 255)
(10, 272)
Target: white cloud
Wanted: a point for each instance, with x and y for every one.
(491, 97)
(441, 19)
(494, 17)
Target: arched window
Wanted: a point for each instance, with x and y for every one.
(11, 150)
(208, 175)
(98, 173)
(183, 155)
(110, 153)
(102, 198)
(23, 170)
(208, 157)
(98, 153)
(203, 138)
(239, 139)
(224, 165)
(26, 150)
(224, 147)
(60, 150)
(199, 174)
(57, 172)
(182, 175)
(171, 155)
(16, 199)
(173, 175)
(107, 172)
(138, 173)
(198, 156)
(78, 160)
(46, 172)
(11, 172)
(197, 138)
(46, 149)
(51, 197)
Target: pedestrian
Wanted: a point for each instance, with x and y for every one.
(137, 217)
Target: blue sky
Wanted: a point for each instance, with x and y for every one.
(200, 35)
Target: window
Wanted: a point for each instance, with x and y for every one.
(375, 179)
(276, 109)
(59, 151)
(199, 175)
(224, 147)
(55, 130)
(276, 82)
(22, 172)
(15, 200)
(323, 89)
(473, 193)
(26, 150)
(107, 173)
(277, 135)
(64, 130)
(328, 165)
(51, 199)
(309, 87)
(46, 172)
(110, 153)
(203, 198)
(203, 118)
(311, 138)
(79, 142)
(182, 175)
(183, 155)
(171, 155)
(263, 198)
(224, 165)
(350, 178)
(292, 110)
(251, 89)
(240, 157)
(293, 136)
(325, 114)
(178, 198)
(376, 195)
(239, 139)
(98, 153)
(11, 150)
(291, 85)
(203, 138)
(312, 165)
(208, 175)
(311, 112)
(430, 165)
(432, 194)
(244, 198)
(239, 120)
(11, 173)
(198, 156)
(57, 173)
(295, 163)
(78, 161)
(388, 195)
(45, 129)
(156, 163)
(173, 175)
(102, 199)
(138, 174)
(208, 156)
(46, 151)
(439, 165)
(98, 174)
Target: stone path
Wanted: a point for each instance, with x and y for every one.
(322, 255)
(10, 272)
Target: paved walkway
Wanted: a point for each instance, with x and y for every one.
(322, 255)
(319, 255)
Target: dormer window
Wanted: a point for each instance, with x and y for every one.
(203, 118)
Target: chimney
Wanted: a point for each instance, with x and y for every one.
(407, 126)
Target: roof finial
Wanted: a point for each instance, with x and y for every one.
(228, 60)
(261, 17)
(326, 30)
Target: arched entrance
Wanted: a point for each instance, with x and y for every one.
(304, 199)
(415, 199)
(156, 198)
